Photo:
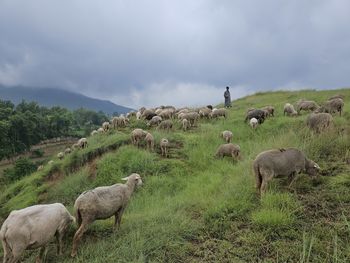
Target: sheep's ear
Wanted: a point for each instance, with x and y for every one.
(125, 178)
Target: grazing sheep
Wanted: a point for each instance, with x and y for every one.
(227, 136)
(205, 112)
(149, 141)
(216, 113)
(332, 106)
(253, 123)
(229, 149)
(164, 144)
(60, 155)
(148, 114)
(185, 124)
(94, 132)
(137, 135)
(50, 162)
(270, 110)
(286, 162)
(131, 114)
(306, 105)
(192, 117)
(289, 109)
(166, 114)
(100, 130)
(34, 227)
(105, 126)
(319, 122)
(102, 203)
(138, 115)
(155, 121)
(257, 114)
(40, 167)
(165, 125)
(82, 143)
(120, 121)
(67, 151)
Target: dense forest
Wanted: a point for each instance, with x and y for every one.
(28, 123)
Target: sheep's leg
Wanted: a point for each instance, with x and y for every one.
(263, 187)
(258, 181)
(17, 251)
(78, 235)
(118, 218)
(7, 252)
(291, 178)
(42, 255)
(59, 238)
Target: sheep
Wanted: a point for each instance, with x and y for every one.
(285, 162)
(332, 106)
(149, 141)
(138, 115)
(166, 114)
(137, 135)
(165, 125)
(319, 122)
(102, 203)
(67, 151)
(257, 114)
(210, 107)
(148, 114)
(131, 114)
(216, 113)
(289, 109)
(270, 110)
(94, 132)
(205, 112)
(253, 123)
(40, 167)
(50, 162)
(306, 105)
(119, 122)
(229, 149)
(164, 144)
(34, 227)
(227, 136)
(60, 155)
(105, 126)
(142, 109)
(155, 121)
(100, 130)
(185, 124)
(192, 117)
(82, 143)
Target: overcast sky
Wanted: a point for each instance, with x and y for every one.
(179, 52)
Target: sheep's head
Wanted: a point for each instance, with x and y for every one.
(133, 178)
(312, 168)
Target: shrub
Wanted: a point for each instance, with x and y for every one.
(22, 167)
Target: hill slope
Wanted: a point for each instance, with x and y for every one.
(57, 97)
(196, 208)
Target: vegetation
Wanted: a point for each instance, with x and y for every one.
(196, 208)
(27, 124)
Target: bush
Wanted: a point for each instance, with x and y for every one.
(22, 167)
(37, 153)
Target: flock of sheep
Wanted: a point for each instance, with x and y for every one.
(34, 226)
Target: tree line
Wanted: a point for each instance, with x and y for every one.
(28, 123)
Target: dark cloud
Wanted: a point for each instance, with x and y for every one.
(178, 52)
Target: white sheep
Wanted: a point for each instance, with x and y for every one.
(227, 136)
(137, 135)
(185, 124)
(101, 203)
(34, 227)
(253, 122)
(155, 121)
(100, 130)
(149, 141)
(60, 155)
(289, 109)
(105, 126)
(138, 115)
(94, 132)
(216, 113)
(164, 144)
(82, 143)
(67, 151)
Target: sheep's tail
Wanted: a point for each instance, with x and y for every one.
(6, 246)
(78, 218)
(258, 176)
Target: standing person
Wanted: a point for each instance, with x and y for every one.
(227, 97)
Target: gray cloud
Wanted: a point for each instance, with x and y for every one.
(185, 52)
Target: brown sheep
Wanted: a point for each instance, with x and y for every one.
(306, 105)
(137, 135)
(270, 110)
(149, 141)
(165, 125)
(164, 144)
(332, 106)
(289, 109)
(319, 122)
(286, 162)
(227, 136)
(229, 149)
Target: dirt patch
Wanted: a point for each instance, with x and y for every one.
(92, 169)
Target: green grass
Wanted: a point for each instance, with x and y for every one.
(196, 208)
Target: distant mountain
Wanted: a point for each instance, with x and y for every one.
(57, 97)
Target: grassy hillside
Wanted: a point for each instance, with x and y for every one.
(196, 208)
